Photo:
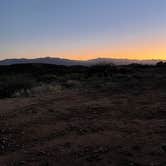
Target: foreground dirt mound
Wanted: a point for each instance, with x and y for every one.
(76, 128)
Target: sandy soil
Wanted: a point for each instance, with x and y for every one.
(84, 129)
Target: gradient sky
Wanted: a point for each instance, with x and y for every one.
(83, 29)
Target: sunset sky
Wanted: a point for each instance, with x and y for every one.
(83, 29)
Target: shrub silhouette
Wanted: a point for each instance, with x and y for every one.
(12, 84)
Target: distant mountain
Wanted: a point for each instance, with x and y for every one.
(67, 62)
(121, 61)
(46, 60)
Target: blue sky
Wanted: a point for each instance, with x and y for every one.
(79, 28)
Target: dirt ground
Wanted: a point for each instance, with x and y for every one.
(75, 128)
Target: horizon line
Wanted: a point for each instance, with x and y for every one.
(130, 59)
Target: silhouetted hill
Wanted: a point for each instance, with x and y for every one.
(46, 60)
(67, 62)
(121, 61)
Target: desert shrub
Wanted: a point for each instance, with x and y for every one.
(102, 70)
(47, 78)
(45, 89)
(11, 85)
(71, 84)
(74, 76)
(160, 64)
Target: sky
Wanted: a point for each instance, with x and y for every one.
(83, 29)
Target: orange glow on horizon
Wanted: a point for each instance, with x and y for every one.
(141, 54)
(140, 50)
(136, 50)
(121, 53)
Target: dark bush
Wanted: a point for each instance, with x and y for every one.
(12, 84)
(102, 70)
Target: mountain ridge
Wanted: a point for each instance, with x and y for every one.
(69, 62)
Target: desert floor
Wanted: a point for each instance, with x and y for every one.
(84, 129)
